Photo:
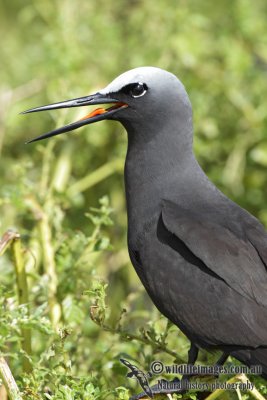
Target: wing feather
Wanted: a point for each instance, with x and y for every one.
(233, 258)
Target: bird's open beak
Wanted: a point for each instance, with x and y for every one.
(98, 114)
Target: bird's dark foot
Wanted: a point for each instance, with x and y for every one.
(163, 387)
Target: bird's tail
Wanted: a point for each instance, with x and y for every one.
(253, 357)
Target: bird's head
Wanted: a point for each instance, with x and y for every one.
(137, 98)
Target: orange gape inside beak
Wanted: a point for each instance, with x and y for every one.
(94, 113)
(100, 111)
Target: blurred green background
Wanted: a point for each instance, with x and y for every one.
(57, 50)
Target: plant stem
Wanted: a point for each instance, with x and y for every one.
(157, 346)
(48, 259)
(95, 177)
(20, 271)
(46, 166)
(9, 381)
(254, 392)
(11, 238)
(50, 268)
(6, 240)
(63, 169)
(242, 378)
(23, 296)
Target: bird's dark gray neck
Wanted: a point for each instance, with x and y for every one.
(159, 166)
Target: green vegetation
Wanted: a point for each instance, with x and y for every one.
(71, 304)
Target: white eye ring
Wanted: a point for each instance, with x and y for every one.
(139, 90)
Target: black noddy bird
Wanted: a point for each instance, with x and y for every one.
(201, 257)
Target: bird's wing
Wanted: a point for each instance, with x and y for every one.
(257, 235)
(233, 258)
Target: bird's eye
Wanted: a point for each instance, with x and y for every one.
(138, 90)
